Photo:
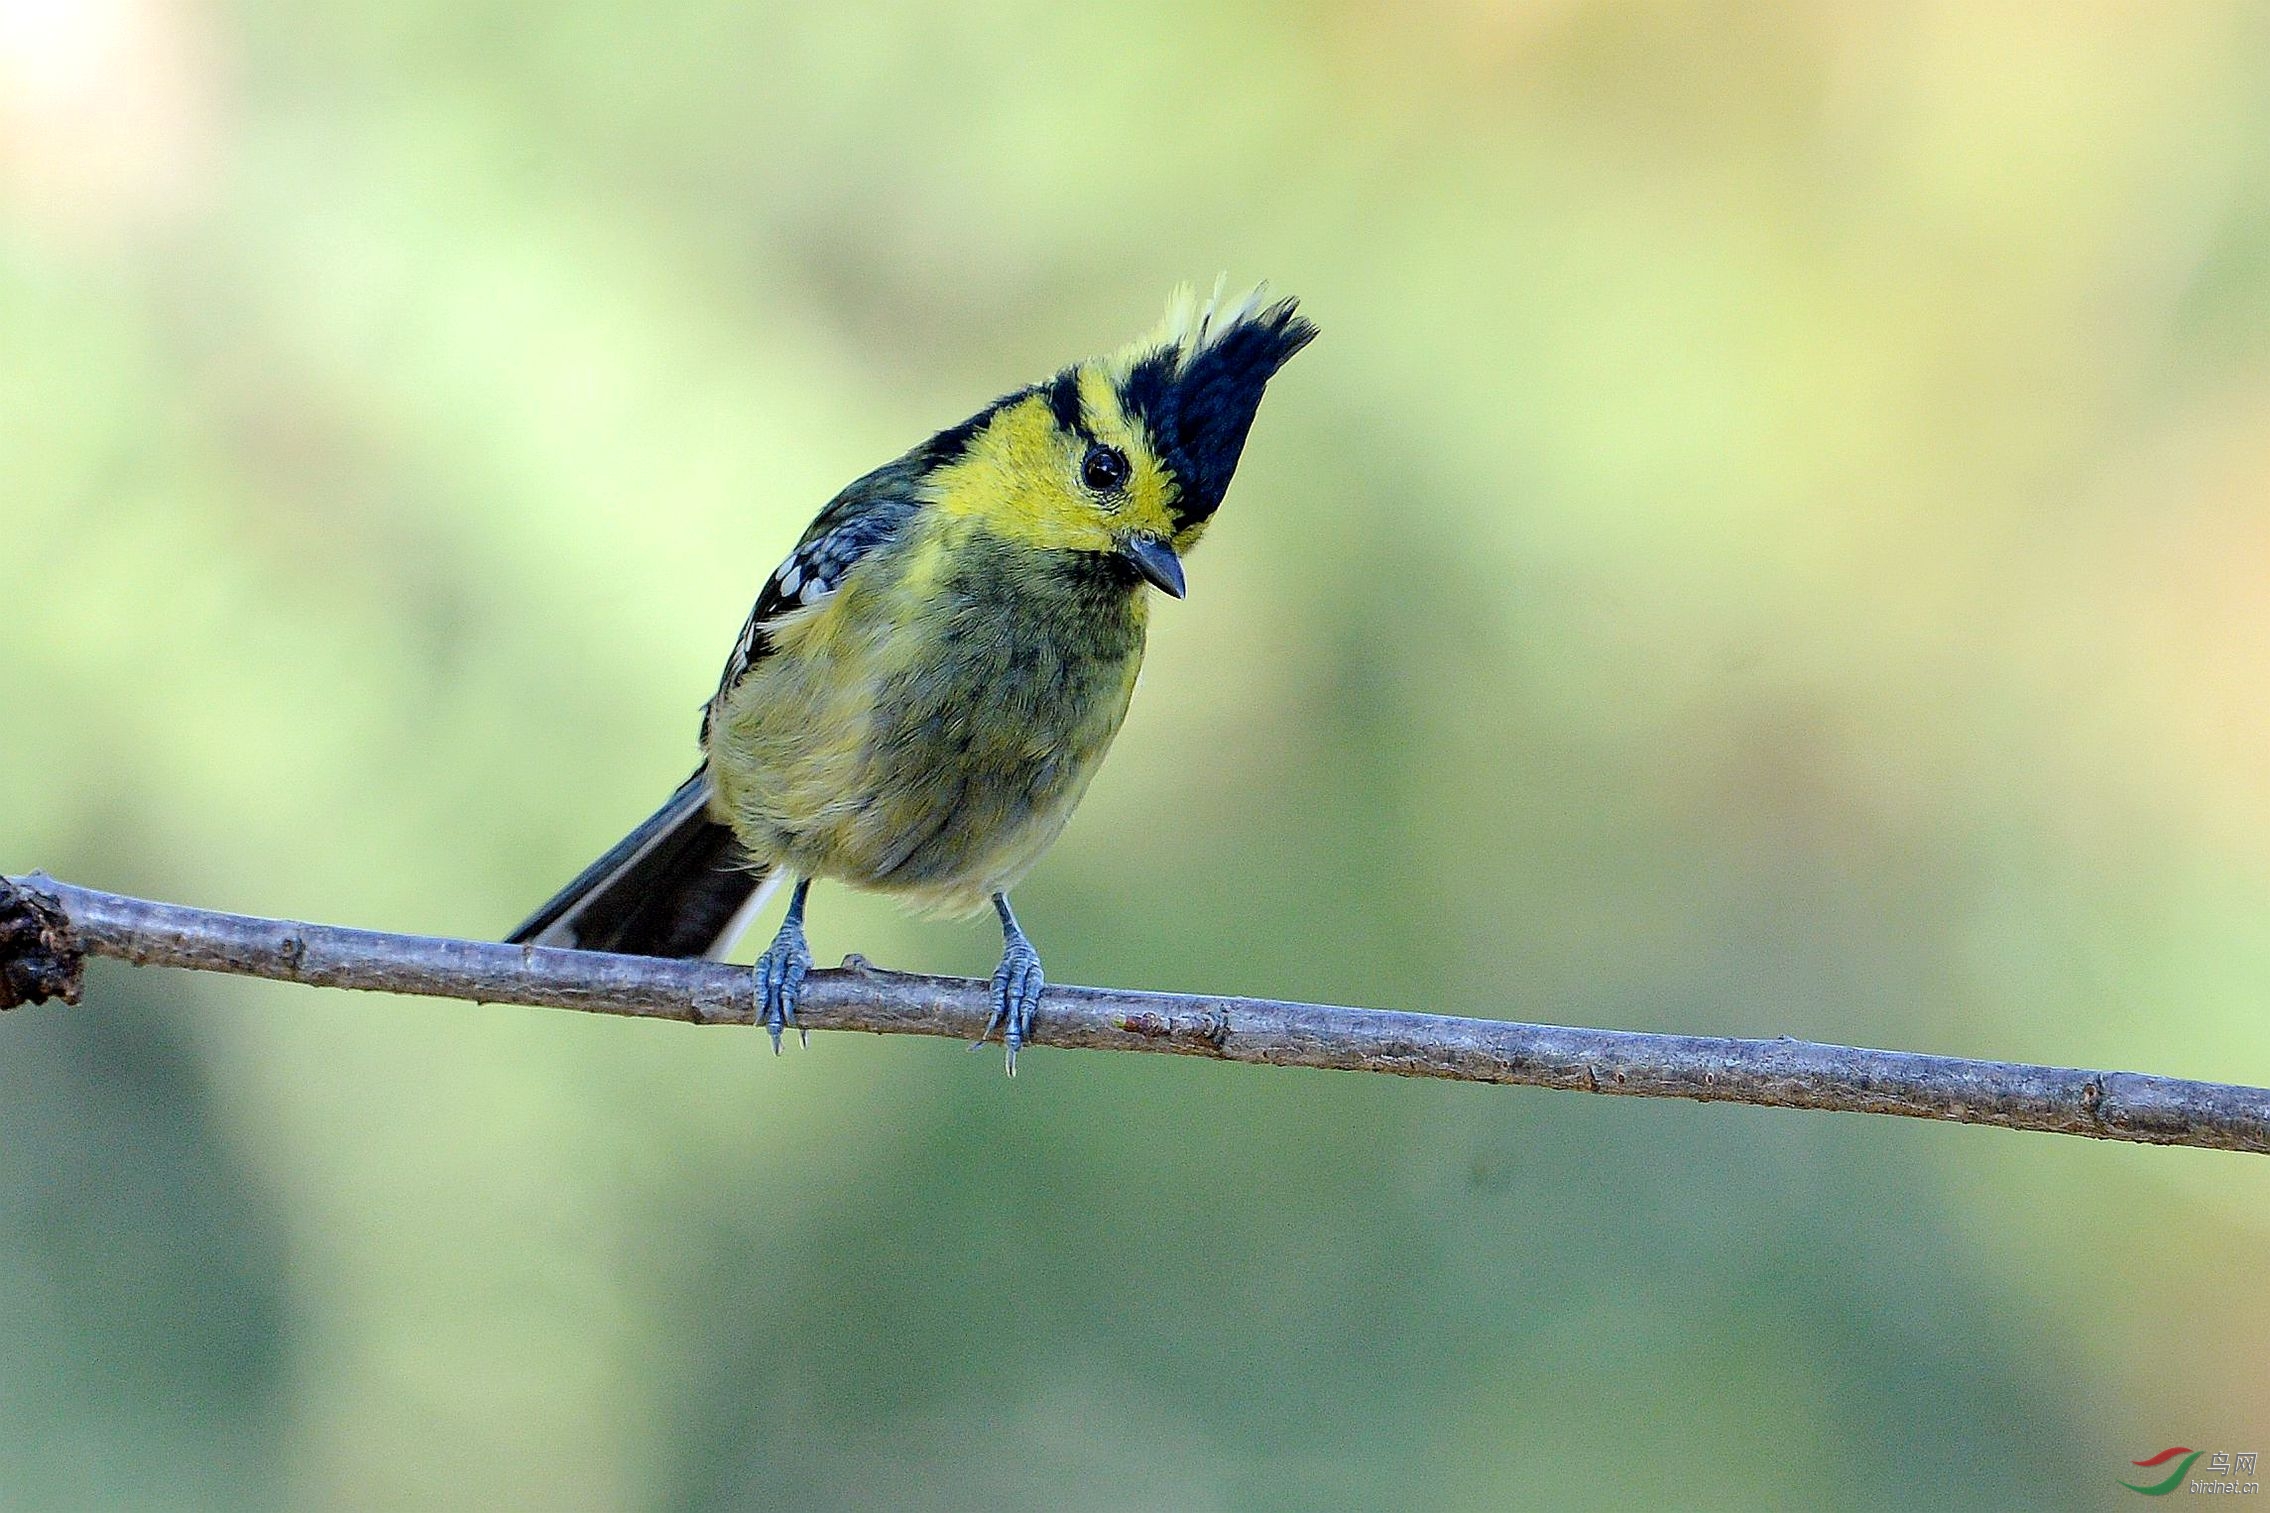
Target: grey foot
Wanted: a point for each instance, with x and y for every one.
(780, 981)
(1017, 983)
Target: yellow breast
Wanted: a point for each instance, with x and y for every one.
(929, 729)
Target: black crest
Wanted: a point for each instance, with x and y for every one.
(1197, 396)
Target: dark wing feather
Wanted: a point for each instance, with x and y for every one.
(867, 515)
(680, 884)
(675, 886)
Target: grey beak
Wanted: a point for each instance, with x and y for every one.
(1155, 560)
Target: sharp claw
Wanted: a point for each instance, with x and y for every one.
(1016, 988)
(780, 974)
(1017, 985)
(1000, 999)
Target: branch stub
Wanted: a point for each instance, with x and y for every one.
(40, 957)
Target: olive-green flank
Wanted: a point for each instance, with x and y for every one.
(925, 687)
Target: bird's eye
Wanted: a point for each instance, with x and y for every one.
(1104, 469)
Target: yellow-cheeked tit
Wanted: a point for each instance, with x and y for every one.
(927, 684)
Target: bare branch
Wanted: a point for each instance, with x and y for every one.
(1783, 1073)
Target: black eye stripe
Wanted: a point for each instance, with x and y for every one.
(1064, 402)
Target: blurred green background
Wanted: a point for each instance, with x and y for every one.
(1772, 540)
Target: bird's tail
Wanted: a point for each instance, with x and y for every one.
(678, 885)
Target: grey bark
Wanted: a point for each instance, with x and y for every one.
(44, 922)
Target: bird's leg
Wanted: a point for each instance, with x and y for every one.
(780, 971)
(1016, 985)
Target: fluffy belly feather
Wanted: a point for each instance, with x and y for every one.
(938, 758)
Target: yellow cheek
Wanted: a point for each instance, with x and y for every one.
(1147, 504)
(1018, 480)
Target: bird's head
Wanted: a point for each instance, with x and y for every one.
(1125, 456)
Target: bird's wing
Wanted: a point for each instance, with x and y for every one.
(865, 516)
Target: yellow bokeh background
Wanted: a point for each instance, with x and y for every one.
(1770, 541)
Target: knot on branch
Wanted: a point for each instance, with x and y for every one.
(40, 956)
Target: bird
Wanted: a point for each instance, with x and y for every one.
(926, 685)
